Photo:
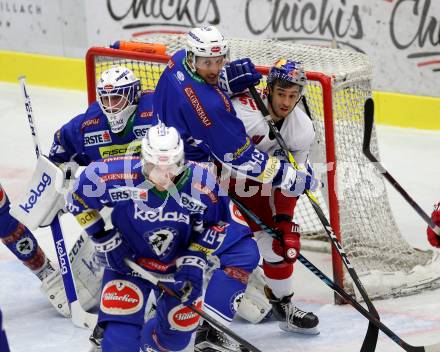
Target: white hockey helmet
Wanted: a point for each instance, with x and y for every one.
(118, 92)
(205, 42)
(162, 154)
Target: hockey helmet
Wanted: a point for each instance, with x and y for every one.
(287, 71)
(162, 154)
(205, 42)
(118, 92)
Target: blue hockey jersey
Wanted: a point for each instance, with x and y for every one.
(158, 226)
(88, 137)
(207, 122)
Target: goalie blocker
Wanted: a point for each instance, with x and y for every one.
(43, 198)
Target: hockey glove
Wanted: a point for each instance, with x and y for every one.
(296, 182)
(189, 277)
(290, 245)
(433, 238)
(238, 75)
(111, 250)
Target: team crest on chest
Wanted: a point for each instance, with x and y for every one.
(161, 240)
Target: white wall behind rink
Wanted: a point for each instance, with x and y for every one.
(401, 36)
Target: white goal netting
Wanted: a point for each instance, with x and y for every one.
(387, 265)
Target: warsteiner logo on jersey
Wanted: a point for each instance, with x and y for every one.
(97, 138)
(121, 297)
(183, 318)
(124, 193)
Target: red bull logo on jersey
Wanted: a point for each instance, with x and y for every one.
(121, 297)
(97, 138)
(183, 318)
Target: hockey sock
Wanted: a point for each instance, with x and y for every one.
(232, 283)
(279, 278)
(22, 243)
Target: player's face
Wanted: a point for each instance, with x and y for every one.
(209, 68)
(162, 176)
(114, 103)
(284, 99)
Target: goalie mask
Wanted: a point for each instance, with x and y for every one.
(162, 155)
(205, 46)
(118, 92)
(287, 71)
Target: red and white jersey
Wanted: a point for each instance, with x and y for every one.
(297, 129)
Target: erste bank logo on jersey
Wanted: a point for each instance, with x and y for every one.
(97, 138)
(124, 193)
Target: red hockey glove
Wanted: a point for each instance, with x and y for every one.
(433, 238)
(290, 245)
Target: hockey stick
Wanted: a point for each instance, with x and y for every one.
(369, 120)
(372, 332)
(79, 316)
(340, 291)
(155, 281)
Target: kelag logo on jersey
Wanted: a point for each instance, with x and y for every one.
(124, 193)
(140, 131)
(159, 215)
(192, 204)
(97, 138)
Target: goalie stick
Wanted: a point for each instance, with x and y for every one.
(79, 316)
(369, 121)
(340, 291)
(372, 334)
(155, 281)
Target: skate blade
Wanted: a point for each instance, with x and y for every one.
(210, 347)
(298, 330)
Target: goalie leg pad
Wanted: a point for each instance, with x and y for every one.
(87, 271)
(254, 306)
(265, 246)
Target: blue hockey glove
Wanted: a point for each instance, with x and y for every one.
(111, 250)
(238, 75)
(189, 278)
(294, 181)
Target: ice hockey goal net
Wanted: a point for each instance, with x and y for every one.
(354, 196)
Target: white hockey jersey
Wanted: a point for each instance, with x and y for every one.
(297, 129)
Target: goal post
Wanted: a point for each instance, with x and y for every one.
(354, 198)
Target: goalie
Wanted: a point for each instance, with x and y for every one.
(111, 126)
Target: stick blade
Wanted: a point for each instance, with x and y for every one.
(368, 124)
